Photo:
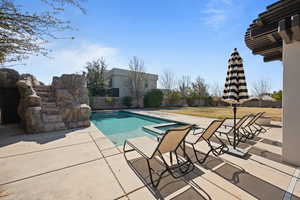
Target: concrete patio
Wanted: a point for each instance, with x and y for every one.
(84, 164)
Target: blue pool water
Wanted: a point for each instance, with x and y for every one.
(119, 126)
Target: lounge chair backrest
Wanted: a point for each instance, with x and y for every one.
(255, 118)
(239, 124)
(241, 121)
(211, 129)
(173, 138)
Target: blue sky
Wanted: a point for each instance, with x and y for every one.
(188, 37)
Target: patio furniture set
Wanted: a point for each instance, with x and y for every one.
(168, 145)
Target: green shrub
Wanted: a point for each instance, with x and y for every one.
(110, 100)
(174, 98)
(191, 98)
(127, 101)
(153, 98)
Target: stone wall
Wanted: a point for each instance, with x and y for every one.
(183, 102)
(263, 104)
(251, 103)
(101, 103)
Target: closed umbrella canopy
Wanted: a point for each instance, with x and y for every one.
(235, 91)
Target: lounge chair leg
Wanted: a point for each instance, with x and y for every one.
(222, 146)
(188, 162)
(150, 174)
(228, 139)
(205, 157)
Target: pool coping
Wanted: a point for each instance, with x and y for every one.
(136, 113)
(149, 128)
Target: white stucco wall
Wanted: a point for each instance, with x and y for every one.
(119, 79)
(291, 103)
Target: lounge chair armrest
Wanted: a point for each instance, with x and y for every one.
(158, 138)
(227, 126)
(196, 127)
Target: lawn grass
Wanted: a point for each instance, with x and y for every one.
(225, 112)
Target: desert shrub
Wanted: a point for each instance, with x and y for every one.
(174, 98)
(153, 98)
(127, 101)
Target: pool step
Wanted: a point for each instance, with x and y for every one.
(154, 128)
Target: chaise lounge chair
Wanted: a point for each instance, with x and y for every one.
(252, 128)
(169, 143)
(230, 132)
(206, 135)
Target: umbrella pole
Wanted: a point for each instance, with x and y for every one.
(234, 126)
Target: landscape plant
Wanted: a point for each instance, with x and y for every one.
(127, 101)
(136, 78)
(191, 98)
(110, 101)
(96, 77)
(174, 98)
(153, 98)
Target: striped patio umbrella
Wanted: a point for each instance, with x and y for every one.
(235, 91)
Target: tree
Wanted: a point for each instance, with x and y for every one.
(216, 94)
(277, 95)
(136, 78)
(260, 88)
(184, 85)
(96, 75)
(167, 80)
(24, 33)
(216, 90)
(200, 87)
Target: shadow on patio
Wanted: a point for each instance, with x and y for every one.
(12, 134)
(187, 188)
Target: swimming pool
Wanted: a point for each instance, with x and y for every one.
(119, 126)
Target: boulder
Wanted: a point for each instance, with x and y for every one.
(64, 98)
(29, 108)
(77, 113)
(75, 84)
(31, 80)
(72, 98)
(8, 78)
(34, 121)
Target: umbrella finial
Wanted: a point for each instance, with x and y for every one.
(235, 49)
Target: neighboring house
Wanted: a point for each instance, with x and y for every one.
(119, 78)
(264, 97)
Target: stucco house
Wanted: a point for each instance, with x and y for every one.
(119, 78)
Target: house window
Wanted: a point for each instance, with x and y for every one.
(146, 84)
